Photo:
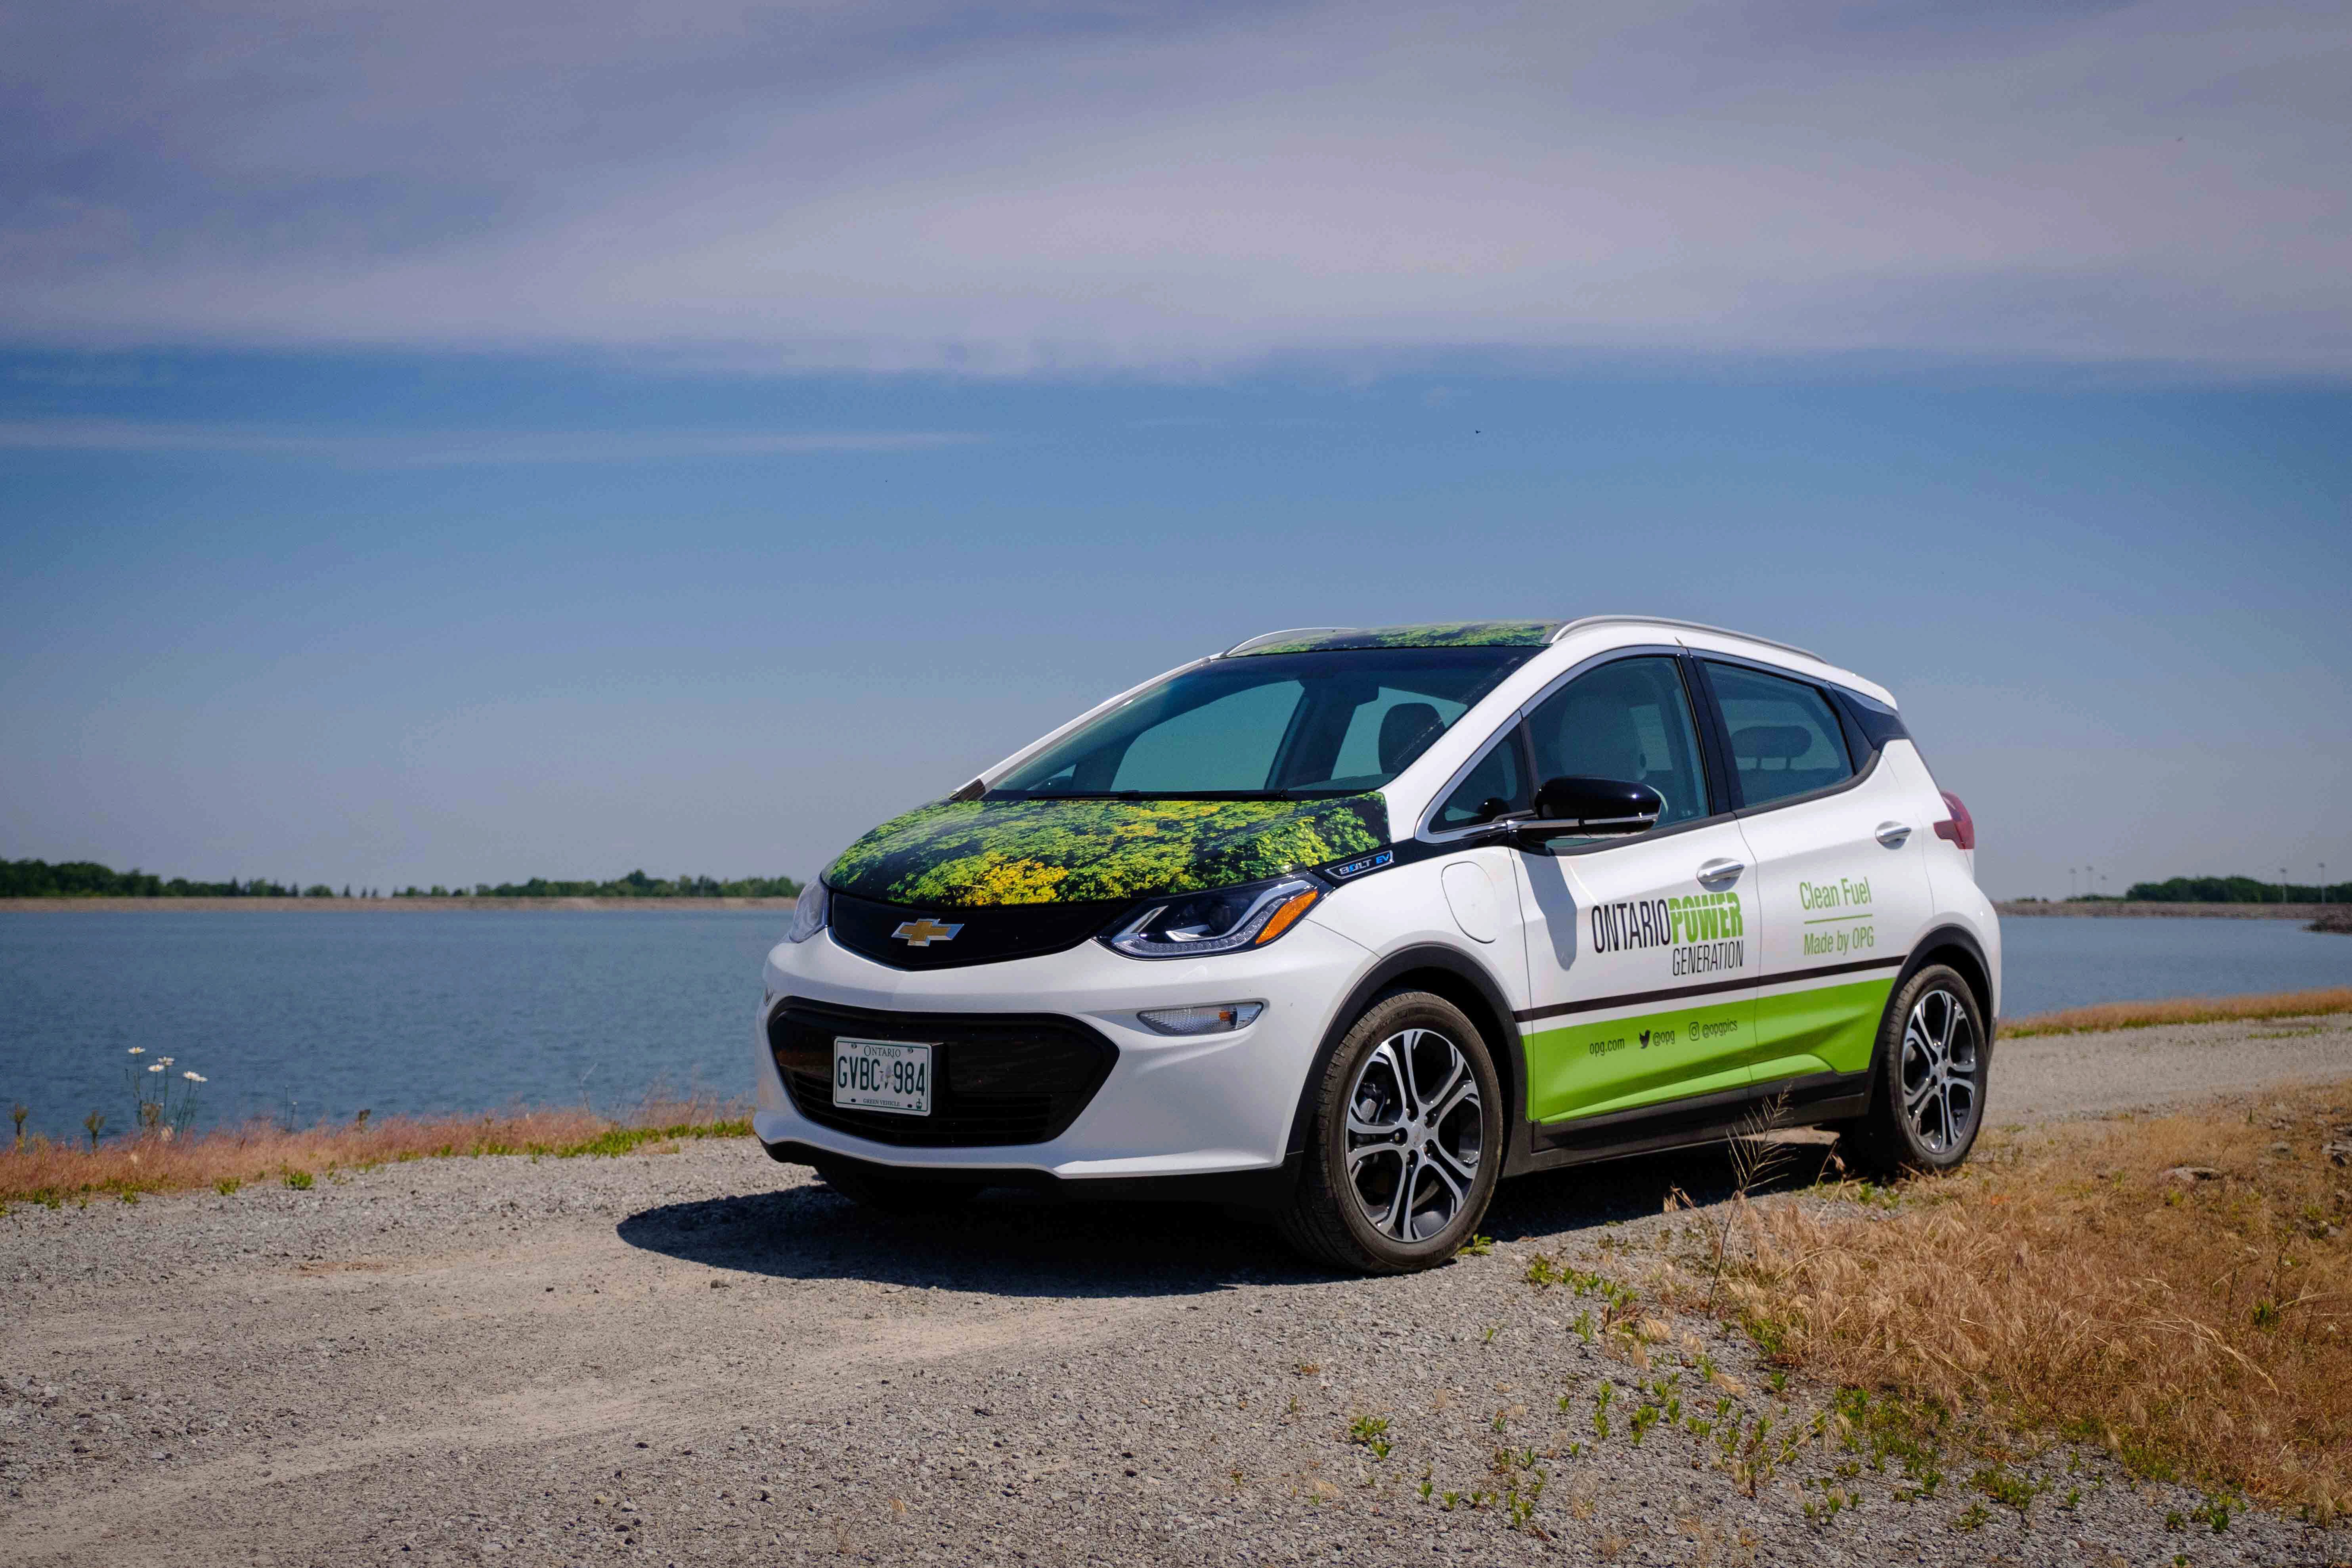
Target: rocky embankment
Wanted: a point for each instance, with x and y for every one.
(2125, 908)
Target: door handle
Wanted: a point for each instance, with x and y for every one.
(1721, 871)
(1893, 834)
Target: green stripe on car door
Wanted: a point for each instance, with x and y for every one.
(1586, 1069)
(1828, 1028)
(1653, 1059)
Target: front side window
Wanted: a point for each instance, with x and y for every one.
(1491, 788)
(1301, 726)
(1629, 720)
(1785, 738)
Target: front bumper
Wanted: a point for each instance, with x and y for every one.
(1170, 1107)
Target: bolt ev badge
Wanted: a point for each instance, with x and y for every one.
(925, 931)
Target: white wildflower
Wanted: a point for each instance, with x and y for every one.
(157, 1066)
(165, 1060)
(194, 1076)
(138, 1051)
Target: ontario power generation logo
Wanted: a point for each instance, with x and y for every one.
(1707, 931)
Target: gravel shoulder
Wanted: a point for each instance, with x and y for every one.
(2053, 1077)
(696, 1356)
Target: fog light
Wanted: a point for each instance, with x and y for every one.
(1218, 1018)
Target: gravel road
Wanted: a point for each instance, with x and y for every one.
(695, 1356)
(2047, 1077)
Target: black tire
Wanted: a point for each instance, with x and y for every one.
(1347, 1172)
(1894, 1136)
(898, 1195)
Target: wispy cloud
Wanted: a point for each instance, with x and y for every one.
(434, 448)
(901, 185)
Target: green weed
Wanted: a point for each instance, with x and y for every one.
(2006, 1487)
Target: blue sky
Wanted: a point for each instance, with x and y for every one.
(447, 444)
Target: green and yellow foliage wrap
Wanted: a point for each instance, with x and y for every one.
(972, 853)
(1437, 634)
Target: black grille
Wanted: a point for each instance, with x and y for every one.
(989, 935)
(996, 1078)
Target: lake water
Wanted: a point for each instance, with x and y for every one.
(321, 1015)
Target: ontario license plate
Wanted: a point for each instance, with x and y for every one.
(882, 1074)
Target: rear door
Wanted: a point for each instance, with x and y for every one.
(1841, 870)
(1637, 948)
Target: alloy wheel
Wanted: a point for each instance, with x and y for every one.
(1940, 1071)
(1415, 1127)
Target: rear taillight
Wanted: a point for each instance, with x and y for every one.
(1959, 828)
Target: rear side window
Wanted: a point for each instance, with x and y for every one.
(1785, 737)
(1629, 720)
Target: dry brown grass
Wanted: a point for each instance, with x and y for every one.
(2181, 1010)
(2198, 1324)
(41, 1170)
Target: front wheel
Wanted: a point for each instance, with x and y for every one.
(1928, 1078)
(1406, 1141)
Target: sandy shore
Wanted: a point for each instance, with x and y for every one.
(696, 1356)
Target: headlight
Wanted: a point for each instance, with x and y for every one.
(808, 914)
(1194, 924)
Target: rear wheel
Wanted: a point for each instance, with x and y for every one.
(1928, 1086)
(898, 1194)
(1406, 1141)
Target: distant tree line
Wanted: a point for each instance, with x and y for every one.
(636, 885)
(89, 880)
(2237, 891)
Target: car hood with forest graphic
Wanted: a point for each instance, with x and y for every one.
(972, 853)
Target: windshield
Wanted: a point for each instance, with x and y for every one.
(1280, 726)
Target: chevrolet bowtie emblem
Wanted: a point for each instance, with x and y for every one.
(925, 931)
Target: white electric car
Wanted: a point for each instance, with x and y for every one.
(1351, 924)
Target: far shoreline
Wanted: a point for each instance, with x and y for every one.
(358, 906)
(2152, 909)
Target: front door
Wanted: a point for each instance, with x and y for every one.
(1841, 875)
(1638, 949)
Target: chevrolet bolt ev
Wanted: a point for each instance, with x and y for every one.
(1348, 925)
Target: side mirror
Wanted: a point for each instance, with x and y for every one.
(1591, 809)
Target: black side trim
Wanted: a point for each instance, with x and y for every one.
(1704, 1118)
(1722, 788)
(1958, 936)
(1858, 967)
(1631, 998)
(1627, 999)
(1879, 724)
